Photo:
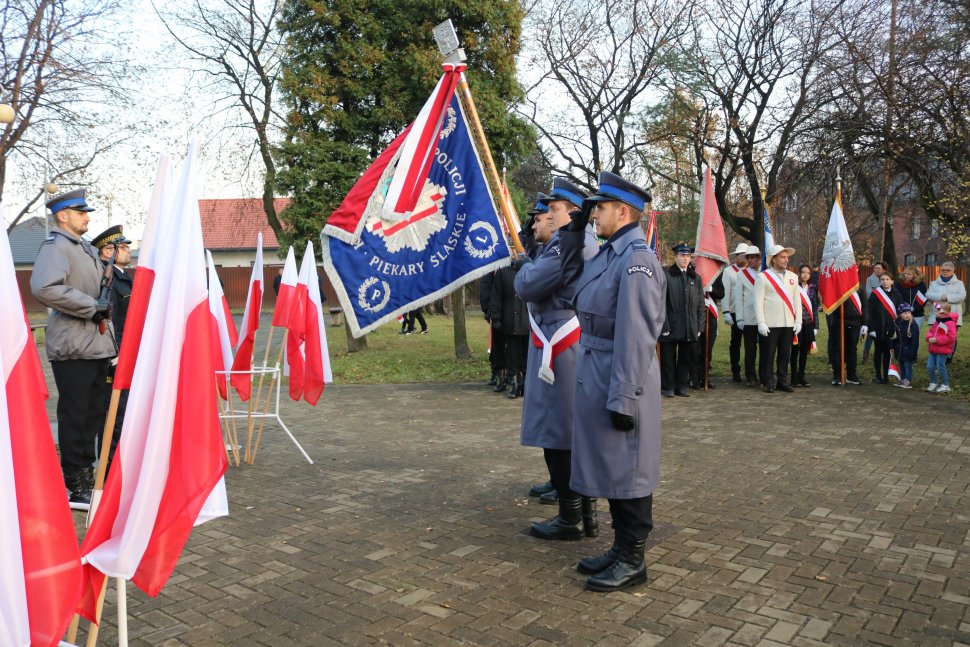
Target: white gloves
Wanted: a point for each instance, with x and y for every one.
(763, 329)
(873, 334)
(864, 331)
(798, 327)
(728, 319)
(816, 332)
(740, 324)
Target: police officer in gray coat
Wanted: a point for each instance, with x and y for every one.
(550, 381)
(620, 297)
(67, 279)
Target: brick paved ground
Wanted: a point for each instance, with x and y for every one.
(801, 519)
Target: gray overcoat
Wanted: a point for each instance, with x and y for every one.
(547, 415)
(621, 304)
(67, 278)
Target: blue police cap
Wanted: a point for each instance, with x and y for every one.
(70, 200)
(614, 188)
(563, 189)
(682, 248)
(541, 207)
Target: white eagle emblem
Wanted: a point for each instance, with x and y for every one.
(413, 231)
(837, 255)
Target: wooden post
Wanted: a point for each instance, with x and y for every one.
(842, 345)
(269, 394)
(255, 396)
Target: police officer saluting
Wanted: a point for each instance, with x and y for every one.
(67, 279)
(620, 297)
(550, 382)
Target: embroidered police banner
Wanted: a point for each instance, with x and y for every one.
(385, 265)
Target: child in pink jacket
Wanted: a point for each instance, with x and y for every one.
(941, 336)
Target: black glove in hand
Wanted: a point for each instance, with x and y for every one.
(621, 421)
(497, 325)
(100, 310)
(527, 227)
(579, 218)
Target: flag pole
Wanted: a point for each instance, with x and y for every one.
(707, 332)
(122, 613)
(838, 198)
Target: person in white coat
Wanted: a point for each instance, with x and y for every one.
(947, 288)
(778, 310)
(742, 301)
(729, 278)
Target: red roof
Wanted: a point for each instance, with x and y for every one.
(232, 223)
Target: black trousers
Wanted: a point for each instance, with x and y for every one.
(675, 359)
(81, 393)
(632, 518)
(516, 353)
(751, 343)
(851, 350)
(497, 357)
(799, 354)
(776, 354)
(880, 359)
(706, 341)
(734, 350)
(410, 317)
(559, 463)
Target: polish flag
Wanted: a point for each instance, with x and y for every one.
(838, 275)
(171, 458)
(40, 577)
(281, 313)
(307, 341)
(710, 249)
(141, 290)
(224, 334)
(250, 324)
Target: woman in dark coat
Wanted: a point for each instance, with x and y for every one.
(803, 343)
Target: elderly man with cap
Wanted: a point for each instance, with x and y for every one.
(742, 300)
(620, 297)
(778, 311)
(550, 381)
(80, 344)
(730, 276)
(683, 325)
(112, 242)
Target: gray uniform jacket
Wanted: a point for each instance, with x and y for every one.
(620, 301)
(67, 278)
(547, 415)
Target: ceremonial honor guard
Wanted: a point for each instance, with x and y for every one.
(730, 277)
(550, 382)
(619, 299)
(67, 279)
(742, 300)
(778, 312)
(107, 242)
(683, 324)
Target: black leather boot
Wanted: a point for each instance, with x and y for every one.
(492, 381)
(79, 485)
(564, 526)
(627, 570)
(594, 565)
(549, 498)
(501, 383)
(513, 387)
(591, 525)
(540, 488)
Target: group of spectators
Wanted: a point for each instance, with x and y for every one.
(509, 330)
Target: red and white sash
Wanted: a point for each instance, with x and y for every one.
(735, 267)
(920, 298)
(775, 282)
(806, 303)
(747, 273)
(856, 301)
(711, 306)
(886, 302)
(564, 337)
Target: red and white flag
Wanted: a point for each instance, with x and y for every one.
(281, 313)
(243, 361)
(224, 335)
(141, 290)
(307, 342)
(40, 576)
(171, 458)
(838, 277)
(710, 249)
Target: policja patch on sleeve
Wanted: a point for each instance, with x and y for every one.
(640, 268)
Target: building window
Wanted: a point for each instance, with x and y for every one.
(914, 228)
(909, 259)
(931, 259)
(934, 228)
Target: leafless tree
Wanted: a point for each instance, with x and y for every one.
(594, 63)
(235, 47)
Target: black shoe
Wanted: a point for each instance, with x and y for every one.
(500, 385)
(594, 565)
(540, 488)
(549, 498)
(667, 393)
(566, 526)
(628, 570)
(753, 384)
(836, 382)
(769, 389)
(803, 383)
(591, 524)
(492, 381)
(513, 388)
(710, 386)
(682, 393)
(853, 380)
(786, 388)
(736, 378)
(79, 486)
(423, 332)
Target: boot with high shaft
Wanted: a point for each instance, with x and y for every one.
(594, 565)
(628, 569)
(567, 525)
(591, 524)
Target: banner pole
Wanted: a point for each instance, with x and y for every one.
(842, 344)
(122, 613)
(465, 96)
(707, 332)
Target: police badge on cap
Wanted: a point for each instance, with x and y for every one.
(110, 236)
(563, 189)
(70, 200)
(614, 188)
(682, 248)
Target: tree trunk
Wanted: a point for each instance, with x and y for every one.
(354, 345)
(462, 351)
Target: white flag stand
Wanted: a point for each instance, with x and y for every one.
(268, 412)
